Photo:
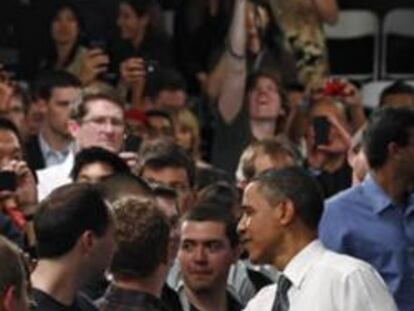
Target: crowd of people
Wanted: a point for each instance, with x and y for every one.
(213, 167)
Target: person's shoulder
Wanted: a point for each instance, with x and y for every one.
(341, 265)
(351, 196)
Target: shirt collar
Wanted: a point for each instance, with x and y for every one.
(47, 150)
(373, 191)
(302, 262)
(115, 295)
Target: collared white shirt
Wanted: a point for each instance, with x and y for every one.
(55, 176)
(51, 156)
(326, 281)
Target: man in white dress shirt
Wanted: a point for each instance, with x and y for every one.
(281, 212)
(98, 121)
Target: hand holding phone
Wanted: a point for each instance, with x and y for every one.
(321, 126)
(8, 181)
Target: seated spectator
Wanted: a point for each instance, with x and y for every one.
(268, 153)
(14, 295)
(58, 91)
(209, 246)
(94, 164)
(75, 233)
(398, 94)
(373, 220)
(65, 50)
(281, 212)
(142, 48)
(140, 264)
(168, 164)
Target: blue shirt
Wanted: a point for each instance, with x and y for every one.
(363, 222)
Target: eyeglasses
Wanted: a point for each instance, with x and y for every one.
(102, 121)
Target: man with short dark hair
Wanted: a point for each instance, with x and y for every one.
(166, 163)
(159, 124)
(374, 220)
(94, 164)
(57, 91)
(398, 94)
(75, 232)
(140, 264)
(209, 246)
(13, 278)
(282, 209)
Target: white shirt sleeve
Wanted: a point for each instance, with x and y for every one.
(364, 289)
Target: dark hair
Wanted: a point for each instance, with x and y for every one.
(209, 211)
(66, 214)
(98, 155)
(46, 81)
(386, 125)
(142, 233)
(119, 185)
(398, 87)
(255, 76)
(140, 7)
(297, 185)
(23, 95)
(12, 272)
(163, 153)
(159, 113)
(7, 125)
(166, 79)
(51, 54)
(81, 110)
(221, 194)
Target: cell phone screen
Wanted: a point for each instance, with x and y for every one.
(8, 181)
(321, 126)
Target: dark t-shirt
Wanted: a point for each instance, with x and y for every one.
(47, 303)
(332, 183)
(230, 139)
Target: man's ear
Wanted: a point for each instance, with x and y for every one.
(73, 127)
(86, 241)
(287, 212)
(9, 299)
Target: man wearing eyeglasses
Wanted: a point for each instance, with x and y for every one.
(97, 121)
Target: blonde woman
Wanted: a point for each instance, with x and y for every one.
(187, 132)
